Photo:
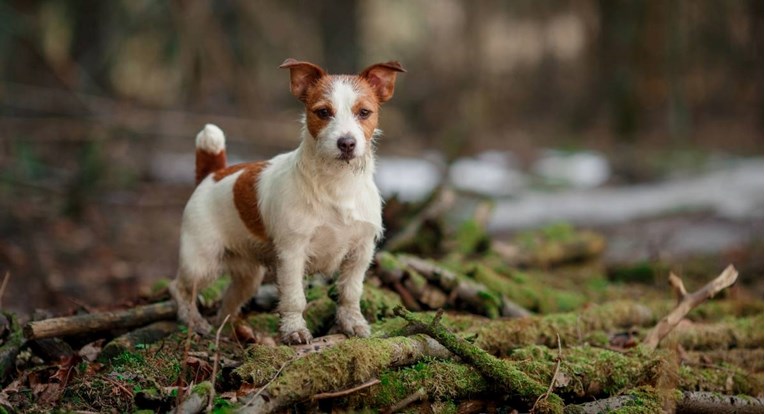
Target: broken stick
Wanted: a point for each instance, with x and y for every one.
(688, 301)
(102, 321)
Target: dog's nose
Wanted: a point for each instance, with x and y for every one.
(346, 144)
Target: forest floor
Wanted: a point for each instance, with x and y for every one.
(461, 323)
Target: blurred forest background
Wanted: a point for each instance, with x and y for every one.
(100, 102)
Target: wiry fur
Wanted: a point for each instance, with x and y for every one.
(321, 212)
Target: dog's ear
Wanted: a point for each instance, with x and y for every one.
(382, 77)
(302, 76)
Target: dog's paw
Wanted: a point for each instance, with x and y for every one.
(200, 326)
(352, 323)
(293, 330)
(297, 337)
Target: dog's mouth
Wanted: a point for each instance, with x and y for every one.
(345, 156)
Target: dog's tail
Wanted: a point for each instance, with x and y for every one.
(211, 151)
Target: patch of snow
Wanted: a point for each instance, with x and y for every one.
(491, 174)
(584, 169)
(412, 179)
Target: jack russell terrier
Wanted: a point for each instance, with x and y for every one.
(315, 209)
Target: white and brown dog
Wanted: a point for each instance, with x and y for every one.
(315, 209)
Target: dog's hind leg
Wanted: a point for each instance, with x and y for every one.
(199, 265)
(246, 277)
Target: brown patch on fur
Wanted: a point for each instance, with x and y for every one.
(246, 195)
(370, 124)
(225, 172)
(208, 162)
(317, 96)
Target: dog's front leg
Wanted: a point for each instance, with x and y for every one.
(350, 285)
(289, 279)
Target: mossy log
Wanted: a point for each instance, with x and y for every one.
(424, 279)
(553, 245)
(141, 336)
(743, 332)
(589, 325)
(345, 365)
(585, 373)
(747, 359)
(507, 377)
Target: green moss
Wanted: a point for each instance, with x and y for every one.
(319, 315)
(378, 303)
(525, 291)
(160, 285)
(264, 322)
(725, 379)
(260, 363)
(350, 362)
(213, 293)
(441, 380)
(471, 237)
(744, 332)
(387, 261)
(498, 337)
(203, 389)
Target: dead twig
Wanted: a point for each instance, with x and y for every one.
(406, 402)
(2, 287)
(544, 396)
(687, 303)
(184, 364)
(215, 364)
(325, 395)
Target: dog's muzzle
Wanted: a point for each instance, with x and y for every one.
(347, 146)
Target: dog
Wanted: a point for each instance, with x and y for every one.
(314, 209)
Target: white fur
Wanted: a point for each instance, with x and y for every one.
(321, 214)
(211, 139)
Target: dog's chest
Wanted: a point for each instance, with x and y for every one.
(341, 230)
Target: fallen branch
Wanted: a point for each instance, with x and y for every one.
(688, 302)
(102, 321)
(507, 376)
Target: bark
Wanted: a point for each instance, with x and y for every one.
(102, 321)
(700, 402)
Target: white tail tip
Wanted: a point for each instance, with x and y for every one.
(211, 139)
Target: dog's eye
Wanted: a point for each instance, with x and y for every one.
(364, 113)
(323, 113)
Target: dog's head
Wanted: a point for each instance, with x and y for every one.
(341, 110)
